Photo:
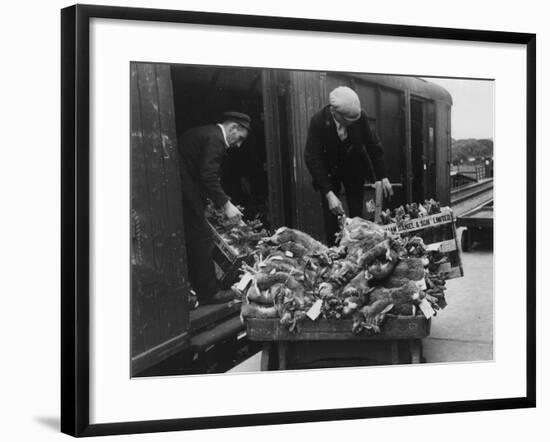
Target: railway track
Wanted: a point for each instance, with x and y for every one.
(469, 197)
(466, 192)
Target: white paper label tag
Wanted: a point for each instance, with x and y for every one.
(434, 247)
(447, 246)
(421, 284)
(243, 283)
(426, 309)
(443, 246)
(315, 310)
(289, 254)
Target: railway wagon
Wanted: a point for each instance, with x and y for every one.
(267, 175)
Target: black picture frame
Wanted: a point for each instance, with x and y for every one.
(75, 211)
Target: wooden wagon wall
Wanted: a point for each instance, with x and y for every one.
(159, 297)
(306, 98)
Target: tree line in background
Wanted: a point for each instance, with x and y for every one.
(471, 151)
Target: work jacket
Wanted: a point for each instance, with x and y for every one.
(331, 161)
(201, 151)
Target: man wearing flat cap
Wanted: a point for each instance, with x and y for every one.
(201, 152)
(342, 149)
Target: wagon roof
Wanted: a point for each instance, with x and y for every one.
(416, 85)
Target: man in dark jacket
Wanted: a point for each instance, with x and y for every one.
(341, 149)
(202, 150)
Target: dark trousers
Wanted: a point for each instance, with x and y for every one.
(200, 245)
(354, 200)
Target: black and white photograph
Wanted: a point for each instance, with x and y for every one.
(274, 221)
(298, 220)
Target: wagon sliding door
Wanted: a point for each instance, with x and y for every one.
(159, 312)
(391, 130)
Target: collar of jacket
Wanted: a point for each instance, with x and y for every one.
(224, 135)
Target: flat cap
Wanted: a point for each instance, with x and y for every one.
(346, 102)
(239, 118)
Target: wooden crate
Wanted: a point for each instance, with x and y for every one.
(439, 234)
(226, 262)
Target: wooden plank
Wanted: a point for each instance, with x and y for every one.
(160, 352)
(305, 100)
(273, 148)
(221, 332)
(170, 162)
(150, 325)
(142, 243)
(173, 307)
(142, 253)
(402, 327)
(159, 293)
(378, 201)
(152, 144)
(210, 314)
(459, 257)
(159, 148)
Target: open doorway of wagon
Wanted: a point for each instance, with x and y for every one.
(201, 95)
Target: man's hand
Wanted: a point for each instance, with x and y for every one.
(334, 204)
(231, 212)
(386, 188)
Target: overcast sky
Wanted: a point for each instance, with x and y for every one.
(472, 114)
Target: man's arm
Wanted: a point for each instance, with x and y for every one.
(316, 166)
(314, 158)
